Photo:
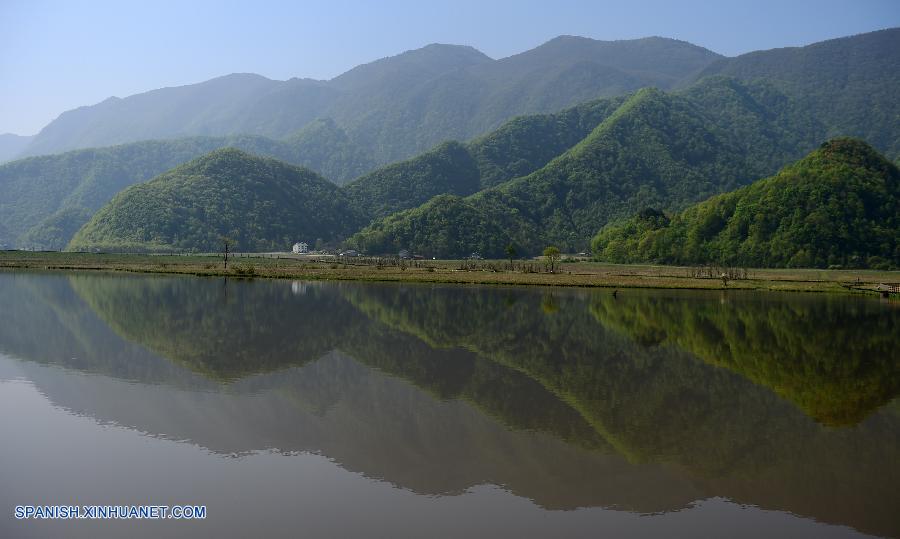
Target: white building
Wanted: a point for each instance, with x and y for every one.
(300, 248)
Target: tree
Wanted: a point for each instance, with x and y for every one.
(511, 253)
(226, 241)
(552, 254)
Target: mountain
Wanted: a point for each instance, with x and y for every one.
(392, 108)
(518, 147)
(324, 147)
(258, 203)
(462, 103)
(233, 104)
(673, 149)
(12, 145)
(840, 205)
(538, 179)
(44, 200)
(848, 83)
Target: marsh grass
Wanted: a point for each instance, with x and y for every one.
(499, 272)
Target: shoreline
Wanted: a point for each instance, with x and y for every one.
(569, 274)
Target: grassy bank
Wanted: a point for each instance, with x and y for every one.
(586, 274)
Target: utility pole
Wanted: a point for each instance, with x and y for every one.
(226, 255)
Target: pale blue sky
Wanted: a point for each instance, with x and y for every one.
(57, 55)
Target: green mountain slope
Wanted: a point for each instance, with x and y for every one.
(260, 204)
(672, 149)
(849, 83)
(518, 147)
(39, 194)
(449, 168)
(392, 108)
(838, 206)
(45, 200)
(325, 148)
(656, 150)
(462, 103)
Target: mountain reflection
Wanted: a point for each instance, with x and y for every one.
(644, 402)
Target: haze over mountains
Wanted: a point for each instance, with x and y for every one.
(706, 125)
(12, 145)
(393, 107)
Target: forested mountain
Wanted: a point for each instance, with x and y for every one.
(257, 203)
(519, 147)
(11, 146)
(671, 149)
(390, 109)
(838, 206)
(45, 200)
(324, 147)
(850, 84)
(540, 179)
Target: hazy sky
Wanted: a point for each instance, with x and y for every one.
(57, 55)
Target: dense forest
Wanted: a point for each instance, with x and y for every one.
(840, 81)
(45, 200)
(516, 148)
(536, 180)
(254, 203)
(656, 149)
(39, 194)
(837, 207)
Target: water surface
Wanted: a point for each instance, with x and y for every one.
(351, 409)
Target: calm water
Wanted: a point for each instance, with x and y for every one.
(365, 410)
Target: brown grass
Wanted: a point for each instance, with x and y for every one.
(583, 274)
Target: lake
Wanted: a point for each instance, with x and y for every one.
(322, 409)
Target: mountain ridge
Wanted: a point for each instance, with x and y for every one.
(838, 206)
(254, 203)
(363, 100)
(670, 148)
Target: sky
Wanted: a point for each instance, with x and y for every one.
(58, 55)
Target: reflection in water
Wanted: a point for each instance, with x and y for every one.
(646, 402)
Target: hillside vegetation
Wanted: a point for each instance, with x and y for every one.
(838, 206)
(392, 108)
(656, 149)
(536, 180)
(45, 200)
(849, 83)
(516, 148)
(258, 204)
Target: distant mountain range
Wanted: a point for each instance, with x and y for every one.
(391, 108)
(711, 125)
(12, 145)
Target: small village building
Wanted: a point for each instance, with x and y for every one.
(403, 254)
(300, 248)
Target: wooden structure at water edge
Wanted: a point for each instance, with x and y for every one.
(887, 289)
